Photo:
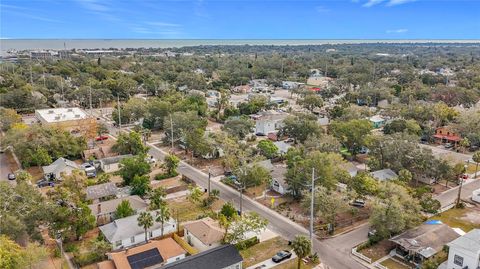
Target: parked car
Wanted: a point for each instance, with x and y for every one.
(89, 169)
(473, 148)
(282, 255)
(101, 138)
(358, 203)
(448, 145)
(151, 160)
(46, 183)
(11, 176)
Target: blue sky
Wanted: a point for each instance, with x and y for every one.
(246, 19)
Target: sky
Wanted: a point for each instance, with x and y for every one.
(245, 19)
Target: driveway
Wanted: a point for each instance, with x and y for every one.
(4, 169)
(270, 264)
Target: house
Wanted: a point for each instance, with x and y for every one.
(464, 252)
(351, 168)
(377, 121)
(104, 212)
(323, 121)
(98, 152)
(278, 179)
(74, 120)
(99, 191)
(153, 253)
(221, 257)
(282, 147)
(423, 242)
(112, 164)
(60, 167)
(269, 122)
(384, 175)
(476, 196)
(125, 232)
(446, 135)
(203, 234)
(291, 85)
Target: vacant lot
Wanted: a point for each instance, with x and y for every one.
(379, 250)
(463, 218)
(263, 251)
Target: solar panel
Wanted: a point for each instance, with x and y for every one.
(145, 259)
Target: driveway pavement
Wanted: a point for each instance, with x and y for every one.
(449, 197)
(270, 264)
(448, 155)
(5, 169)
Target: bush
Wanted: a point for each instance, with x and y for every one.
(165, 175)
(247, 243)
(71, 248)
(84, 259)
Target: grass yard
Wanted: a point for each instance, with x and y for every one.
(463, 218)
(471, 168)
(392, 264)
(379, 250)
(292, 264)
(263, 251)
(190, 211)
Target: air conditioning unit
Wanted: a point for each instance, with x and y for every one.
(77, 116)
(57, 117)
(50, 112)
(70, 109)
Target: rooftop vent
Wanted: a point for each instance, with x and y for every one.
(57, 117)
(70, 110)
(50, 112)
(77, 116)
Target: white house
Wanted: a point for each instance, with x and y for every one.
(384, 175)
(59, 167)
(112, 164)
(464, 252)
(125, 232)
(278, 179)
(203, 234)
(269, 122)
(476, 196)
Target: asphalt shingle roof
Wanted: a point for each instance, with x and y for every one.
(215, 258)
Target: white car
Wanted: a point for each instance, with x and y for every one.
(151, 160)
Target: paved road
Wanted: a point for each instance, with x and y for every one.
(449, 197)
(335, 252)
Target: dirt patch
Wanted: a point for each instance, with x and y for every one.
(12, 164)
(379, 250)
(36, 172)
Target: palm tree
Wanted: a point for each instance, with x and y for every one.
(156, 198)
(145, 220)
(302, 247)
(476, 158)
(163, 214)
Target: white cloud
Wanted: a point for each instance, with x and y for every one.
(321, 9)
(163, 24)
(397, 31)
(371, 3)
(398, 2)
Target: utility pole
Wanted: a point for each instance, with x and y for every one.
(90, 88)
(119, 117)
(241, 192)
(311, 207)
(61, 86)
(209, 178)
(171, 130)
(459, 198)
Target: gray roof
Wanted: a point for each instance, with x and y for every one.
(469, 241)
(215, 258)
(427, 239)
(101, 190)
(282, 146)
(59, 166)
(267, 164)
(278, 174)
(127, 227)
(110, 206)
(385, 174)
(114, 159)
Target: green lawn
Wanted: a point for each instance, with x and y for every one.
(263, 251)
(392, 264)
(456, 218)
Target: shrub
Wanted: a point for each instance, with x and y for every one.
(247, 243)
(165, 175)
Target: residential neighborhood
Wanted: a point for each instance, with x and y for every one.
(119, 161)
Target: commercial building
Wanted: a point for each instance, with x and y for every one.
(73, 120)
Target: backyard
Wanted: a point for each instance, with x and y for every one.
(464, 218)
